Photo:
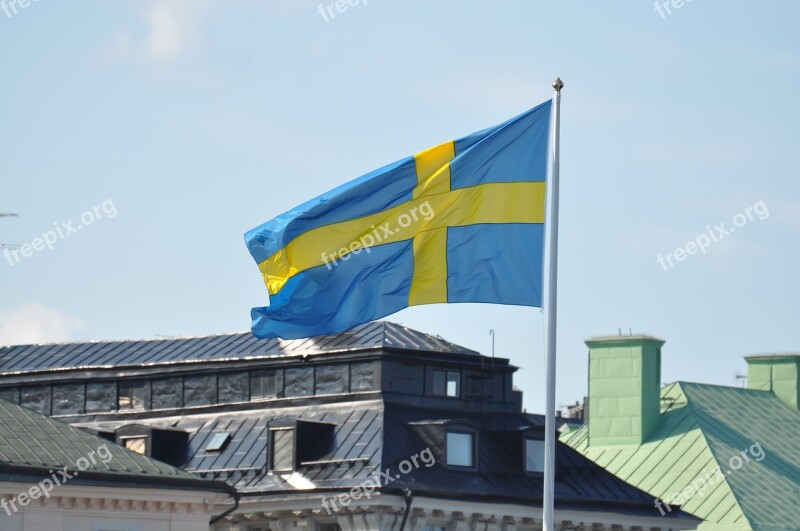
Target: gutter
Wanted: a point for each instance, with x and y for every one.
(236, 498)
(409, 497)
(111, 477)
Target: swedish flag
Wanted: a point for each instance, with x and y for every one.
(459, 222)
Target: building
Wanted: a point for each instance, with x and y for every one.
(381, 427)
(728, 455)
(57, 477)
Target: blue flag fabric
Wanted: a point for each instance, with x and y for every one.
(459, 222)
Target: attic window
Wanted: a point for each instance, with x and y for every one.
(460, 449)
(282, 443)
(218, 442)
(135, 444)
(132, 396)
(446, 383)
(534, 456)
(263, 385)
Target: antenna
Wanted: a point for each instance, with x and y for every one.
(742, 378)
(491, 372)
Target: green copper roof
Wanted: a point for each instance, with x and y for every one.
(705, 426)
(32, 441)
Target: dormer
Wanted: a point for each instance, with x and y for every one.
(294, 443)
(165, 444)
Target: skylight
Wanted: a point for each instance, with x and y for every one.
(218, 442)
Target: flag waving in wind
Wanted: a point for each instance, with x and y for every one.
(459, 222)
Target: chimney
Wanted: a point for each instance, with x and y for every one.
(777, 373)
(624, 389)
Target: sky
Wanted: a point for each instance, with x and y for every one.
(166, 129)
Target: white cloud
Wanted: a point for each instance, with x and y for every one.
(34, 322)
(174, 26)
(173, 30)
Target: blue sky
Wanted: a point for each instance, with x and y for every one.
(188, 122)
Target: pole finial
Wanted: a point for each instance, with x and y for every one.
(558, 84)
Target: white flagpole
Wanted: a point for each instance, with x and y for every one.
(548, 523)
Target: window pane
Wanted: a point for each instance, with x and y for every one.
(101, 396)
(218, 442)
(453, 384)
(36, 398)
(439, 383)
(298, 381)
(331, 379)
(473, 384)
(362, 376)
(262, 385)
(136, 444)
(199, 390)
(232, 387)
(132, 395)
(283, 450)
(534, 455)
(68, 399)
(460, 449)
(167, 393)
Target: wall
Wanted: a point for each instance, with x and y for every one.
(83, 508)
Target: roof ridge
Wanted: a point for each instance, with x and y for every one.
(731, 387)
(383, 332)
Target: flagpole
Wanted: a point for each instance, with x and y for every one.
(548, 522)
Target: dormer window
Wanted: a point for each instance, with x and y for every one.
(135, 444)
(162, 443)
(446, 383)
(460, 451)
(282, 446)
(534, 456)
(296, 443)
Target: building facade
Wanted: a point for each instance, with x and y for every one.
(381, 427)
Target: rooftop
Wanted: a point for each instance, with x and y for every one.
(26, 359)
(706, 427)
(34, 445)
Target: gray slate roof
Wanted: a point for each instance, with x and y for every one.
(243, 462)
(239, 346)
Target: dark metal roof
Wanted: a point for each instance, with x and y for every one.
(375, 435)
(239, 346)
(354, 456)
(500, 475)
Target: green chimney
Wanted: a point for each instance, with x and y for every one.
(624, 389)
(777, 373)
